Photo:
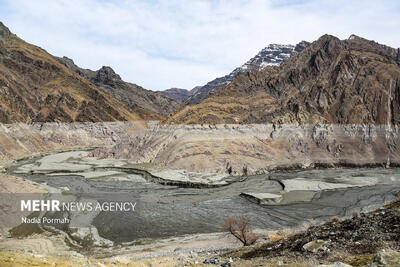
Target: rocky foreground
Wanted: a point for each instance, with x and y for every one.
(367, 239)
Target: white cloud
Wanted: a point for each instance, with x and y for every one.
(176, 43)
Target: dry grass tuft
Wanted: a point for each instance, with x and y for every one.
(356, 214)
(335, 219)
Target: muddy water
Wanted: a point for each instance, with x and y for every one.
(164, 211)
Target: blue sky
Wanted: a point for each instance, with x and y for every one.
(181, 43)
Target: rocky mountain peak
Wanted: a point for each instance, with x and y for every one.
(329, 43)
(147, 103)
(364, 45)
(353, 36)
(4, 32)
(68, 62)
(107, 75)
(359, 39)
(271, 55)
(327, 39)
(300, 46)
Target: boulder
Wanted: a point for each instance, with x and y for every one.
(386, 258)
(263, 198)
(317, 246)
(89, 236)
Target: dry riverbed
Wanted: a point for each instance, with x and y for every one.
(179, 224)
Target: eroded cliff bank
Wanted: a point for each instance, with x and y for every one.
(231, 149)
(252, 149)
(24, 140)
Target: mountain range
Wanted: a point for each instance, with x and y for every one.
(38, 87)
(352, 81)
(271, 55)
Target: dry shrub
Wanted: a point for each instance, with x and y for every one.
(279, 235)
(285, 233)
(356, 214)
(241, 229)
(335, 219)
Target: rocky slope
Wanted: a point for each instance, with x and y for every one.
(353, 81)
(364, 234)
(35, 87)
(176, 93)
(151, 105)
(272, 55)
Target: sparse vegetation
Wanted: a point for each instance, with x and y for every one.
(241, 229)
(335, 219)
(356, 214)
(229, 168)
(286, 233)
(244, 170)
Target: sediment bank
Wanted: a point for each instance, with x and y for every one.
(257, 149)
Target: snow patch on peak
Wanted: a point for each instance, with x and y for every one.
(271, 55)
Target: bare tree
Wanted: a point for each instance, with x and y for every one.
(241, 229)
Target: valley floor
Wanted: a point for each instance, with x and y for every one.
(349, 240)
(354, 241)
